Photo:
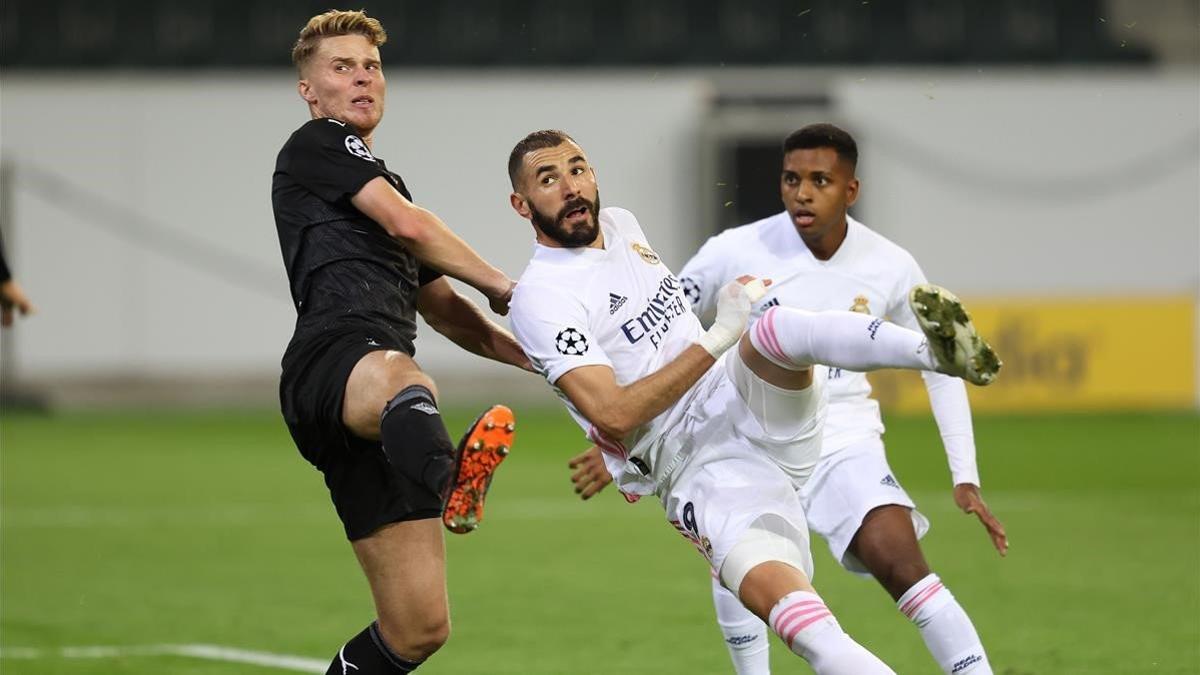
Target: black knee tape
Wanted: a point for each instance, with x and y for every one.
(415, 440)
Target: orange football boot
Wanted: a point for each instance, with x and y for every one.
(480, 451)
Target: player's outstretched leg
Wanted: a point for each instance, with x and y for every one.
(796, 339)
(485, 444)
(952, 337)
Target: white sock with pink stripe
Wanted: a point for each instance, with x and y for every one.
(946, 628)
(809, 629)
(795, 339)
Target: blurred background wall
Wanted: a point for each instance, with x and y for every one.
(1043, 158)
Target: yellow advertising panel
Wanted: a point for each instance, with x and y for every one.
(1093, 354)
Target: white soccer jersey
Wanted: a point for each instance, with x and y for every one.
(867, 274)
(619, 307)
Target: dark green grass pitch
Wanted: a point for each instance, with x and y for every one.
(149, 529)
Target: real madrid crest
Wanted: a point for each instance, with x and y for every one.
(647, 255)
(860, 305)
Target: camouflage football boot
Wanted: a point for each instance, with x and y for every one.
(956, 345)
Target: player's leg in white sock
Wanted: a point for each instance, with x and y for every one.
(745, 634)
(945, 627)
(780, 593)
(807, 626)
(886, 544)
(796, 339)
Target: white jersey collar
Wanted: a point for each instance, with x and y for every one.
(843, 250)
(579, 255)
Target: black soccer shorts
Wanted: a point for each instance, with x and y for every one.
(366, 491)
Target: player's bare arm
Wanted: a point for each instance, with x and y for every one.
(617, 410)
(733, 307)
(431, 241)
(450, 313)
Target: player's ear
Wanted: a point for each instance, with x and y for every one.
(852, 191)
(520, 205)
(306, 91)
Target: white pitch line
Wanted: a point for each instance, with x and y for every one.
(198, 651)
(281, 661)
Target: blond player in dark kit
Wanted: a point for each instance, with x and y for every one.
(362, 259)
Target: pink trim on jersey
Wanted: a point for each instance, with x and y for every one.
(684, 531)
(616, 449)
(606, 444)
(764, 330)
(799, 616)
(910, 608)
(687, 534)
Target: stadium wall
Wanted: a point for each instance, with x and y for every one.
(141, 224)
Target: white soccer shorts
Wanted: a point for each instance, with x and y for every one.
(845, 487)
(739, 475)
(713, 504)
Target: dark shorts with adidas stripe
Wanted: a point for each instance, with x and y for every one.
(364, 488)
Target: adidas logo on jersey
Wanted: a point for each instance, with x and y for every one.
(770, 303)
(889, 481)
(614, 302)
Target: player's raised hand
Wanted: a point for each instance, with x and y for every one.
(590, 474)
(735, 301)
(968, 499)
(499, 304)
(12, 297)
(755, 287)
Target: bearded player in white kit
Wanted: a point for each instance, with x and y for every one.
(723, 448)
(820, 258)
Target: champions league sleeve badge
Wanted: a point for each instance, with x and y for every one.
(691, 289)
(570, 342)
(358, 148)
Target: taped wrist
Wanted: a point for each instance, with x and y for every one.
(416, 442)
(734, 302)
(718, 339)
